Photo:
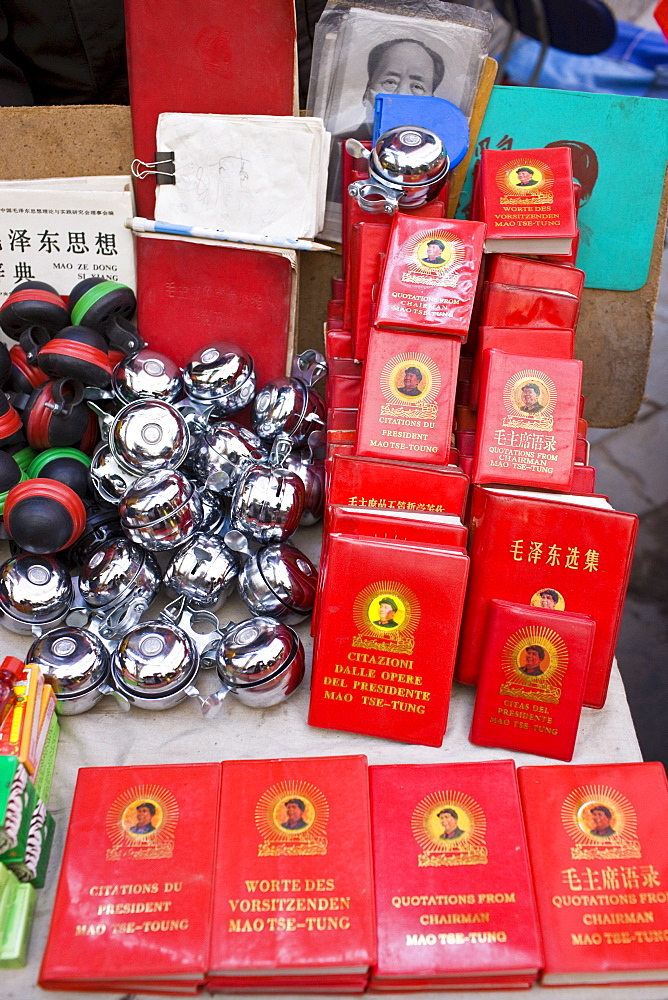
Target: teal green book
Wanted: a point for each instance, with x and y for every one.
(619, 147)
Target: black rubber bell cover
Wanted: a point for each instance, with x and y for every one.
(10, 472)
(22, 310)
(77, 352)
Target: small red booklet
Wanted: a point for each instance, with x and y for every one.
(134, 891)
(509, 269)
(524, 545)
(408, 397)
(599, 856)
(389, 617)
(293, 894)
(519, 340)
(524, 305)
(453, 888)
(527, 420)
(532, 677)
(527, 200)
(369, 241)
(430, 275)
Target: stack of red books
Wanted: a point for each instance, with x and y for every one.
(453, 887)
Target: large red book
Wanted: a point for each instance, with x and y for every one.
(408, 396)
(388, 619)
(527, 425)
(454, 899)
(187, 293)
(293, 893)
(197, 57)
(527, 200)
(532, 677)
(600, 866)
(133, 897)
(430, 275)
(523, 543)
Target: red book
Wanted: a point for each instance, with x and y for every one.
(584, 478)
(532, 677)
(527, 421)
(133, 896)
(430, 529)
(508, 269)
(397, 486)
(216, 44)
(599, 856)
(453, 888)
(293, 893)
(525, 306)
(527, 200)
(519, 340)
(371, 241)
(389, 619)
(188, 292)
(430, 275)
(522, 543)
(408, 397)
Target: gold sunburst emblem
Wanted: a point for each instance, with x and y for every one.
(534, 660)
(535, 181)
(449, 827)
(291, 817)
(602, 823)
(411, 379)
(436, 255)
(141, 823)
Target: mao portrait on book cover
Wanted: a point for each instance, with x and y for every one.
(450, 828)
(532, 178)
(141, 823)
(602, 823)
(291, 817)
(530, 398)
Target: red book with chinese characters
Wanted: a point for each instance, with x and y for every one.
(388, 625)
(527, 200)
(527, 420)
(430, 275)
(522, 543)
(599, 856)
(453, 887)
(293, 893)
(532, 677)
(380, 484)
(519, 340)
(134, 891)
(408, 397)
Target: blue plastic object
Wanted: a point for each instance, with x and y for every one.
(440, 116)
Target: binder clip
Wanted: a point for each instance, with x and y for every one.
(162, 168)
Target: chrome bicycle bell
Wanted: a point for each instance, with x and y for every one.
(118, 583)
(267, 503)
(221, 375)
(204, 571)
(223, 452)
(76, 664)
(260, 661)
(161, 511)
(289, 405)
(147, 435)
(35, 593)
(147, 375)
(408, 166)
(277, 580)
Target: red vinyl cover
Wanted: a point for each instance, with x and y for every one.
(532, 677)
(527, 421)
(518, 305)
(196, 58)
(522, 543)
(369, 240)
(190, 294)
(453, 887)
(132, 903)
(408, 396)
(294, 888)
(519, 340)
(600, 873)
(527, 195)
(381, 676)
(430, 275)
(510, 269)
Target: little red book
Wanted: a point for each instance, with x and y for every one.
(408, 397)
(599, 856)
(454, 897)
(519, 340)
(527, 200)
(528, 414)
(526, 306)
(509, 269)
(522, 544)
(134, 892)
(532, 677)
(368, 243)
(430, 275)
(388, 618)
(293, 892)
